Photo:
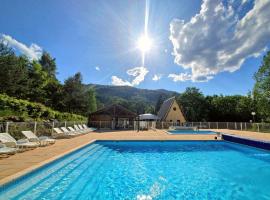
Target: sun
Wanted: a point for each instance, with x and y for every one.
(144, 43)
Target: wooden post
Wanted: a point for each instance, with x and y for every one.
(162, 125)
(227, 125)
(245, 125)
(258, 127)
(235, 126)
(209, 125)
(65, 124)
(217, 125)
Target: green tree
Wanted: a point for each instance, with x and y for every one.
(91, 101)
(193, 104)
(13, 72)
(38, 81)
(73, 94)
(48, 64)
(262, 89)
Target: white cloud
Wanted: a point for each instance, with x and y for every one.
(189, 77)
(157, 77)
(33, 52)
(138, 72)
(119, 82)
(97, 68)
(180, 77)
(217, 40)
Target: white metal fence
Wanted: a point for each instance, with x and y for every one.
(39, 128)
(257, 127)
(46, 128)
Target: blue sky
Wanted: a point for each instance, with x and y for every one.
(98, 39)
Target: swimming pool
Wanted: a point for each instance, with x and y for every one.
(151, 170)
(190, 132)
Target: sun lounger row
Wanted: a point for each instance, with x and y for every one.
(69, 132)
(10, 146)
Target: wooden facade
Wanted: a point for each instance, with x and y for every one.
(115, 117)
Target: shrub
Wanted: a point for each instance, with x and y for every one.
(22, 110)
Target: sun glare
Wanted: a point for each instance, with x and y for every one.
(144, 43)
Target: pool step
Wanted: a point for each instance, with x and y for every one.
(49, 174)
(69, 179)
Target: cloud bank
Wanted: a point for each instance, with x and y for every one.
(33, 52)
(216, 40)
(137, 72)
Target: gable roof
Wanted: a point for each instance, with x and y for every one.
(165, 108)
(114, 110)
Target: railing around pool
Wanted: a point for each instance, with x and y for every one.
(46, 128)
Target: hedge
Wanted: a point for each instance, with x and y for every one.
(12, 109)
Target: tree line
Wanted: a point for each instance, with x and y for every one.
(35, 81)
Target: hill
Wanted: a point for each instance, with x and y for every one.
(137, 100)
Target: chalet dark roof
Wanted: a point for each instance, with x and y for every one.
(165, 107)
(115, 110)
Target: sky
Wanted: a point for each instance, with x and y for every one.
(213, 45)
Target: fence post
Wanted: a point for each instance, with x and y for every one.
(227, 125)
(99, 124)
(235, 126)
(241, 126)
(7, 124)
(217, 125)
(161, 125)
(245, 125)
(52, 126)
(191, 124)
(35, 127)
(65, 124)
(209, 125)
(200, 124)
(258, 127)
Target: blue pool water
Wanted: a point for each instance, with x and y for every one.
(191, 132)
(151, 170)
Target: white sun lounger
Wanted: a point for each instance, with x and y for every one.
(43, 140)
(74, 131)
(6, 151)
(88, 128)
(9, 141)
(66, 131)
(79, 129)
(58, 133)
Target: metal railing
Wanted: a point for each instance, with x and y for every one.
(39, 128)
(46, 128)
(243, 126)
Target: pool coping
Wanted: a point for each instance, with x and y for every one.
(9, 179)
(251, 142)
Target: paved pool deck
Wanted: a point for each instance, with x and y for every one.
(22, 163)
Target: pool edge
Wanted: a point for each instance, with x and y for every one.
(9, 179)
